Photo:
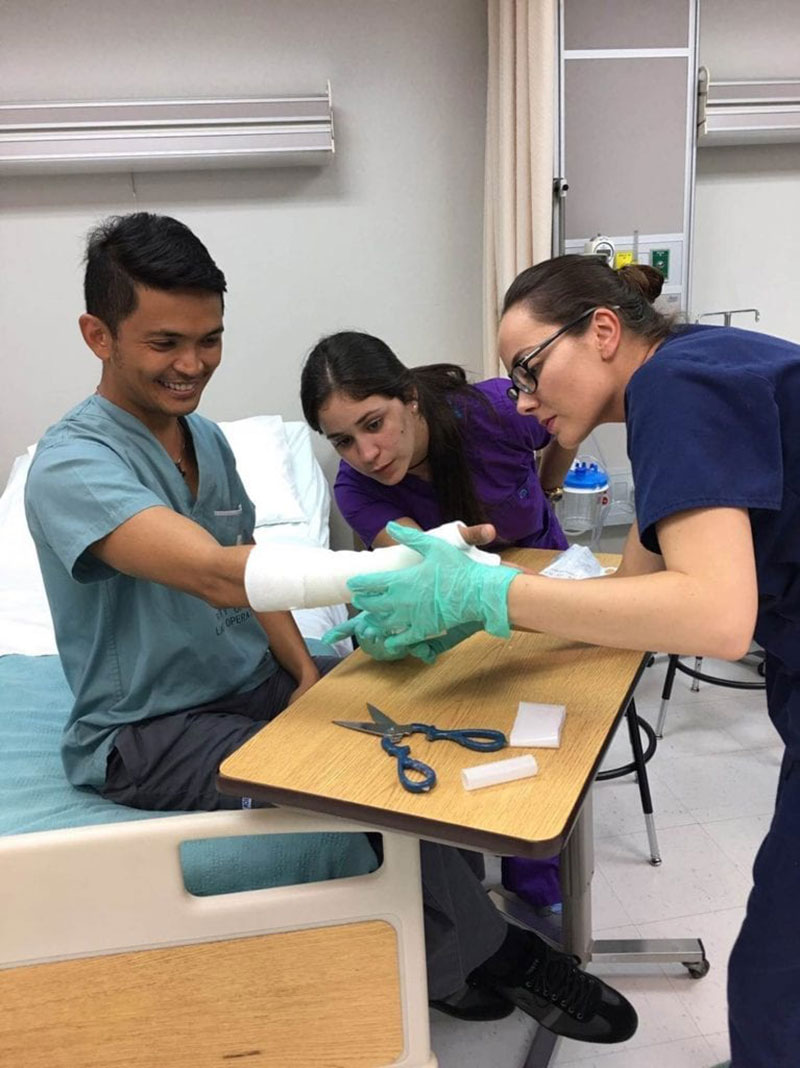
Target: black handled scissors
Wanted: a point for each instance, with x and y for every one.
(484, 741)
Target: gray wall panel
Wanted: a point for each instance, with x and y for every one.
(626, 23)
(619, 181)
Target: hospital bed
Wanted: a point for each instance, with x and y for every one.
(267, 938)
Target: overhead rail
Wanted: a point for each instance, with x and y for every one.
(747, 112)
(150, 135)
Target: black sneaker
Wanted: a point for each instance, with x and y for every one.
(566, 1000)
(473, 1002)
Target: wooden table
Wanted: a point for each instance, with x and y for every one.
(303, 760)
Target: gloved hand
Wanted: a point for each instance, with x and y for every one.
(368, 635)
(430, 649)
(367, 632)
(425, 601)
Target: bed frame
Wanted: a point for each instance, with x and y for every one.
(106, 960)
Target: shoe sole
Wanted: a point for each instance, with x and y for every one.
(477, 1015)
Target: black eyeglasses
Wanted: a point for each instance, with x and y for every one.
(525, 379)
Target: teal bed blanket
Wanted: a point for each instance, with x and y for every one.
(35, 796)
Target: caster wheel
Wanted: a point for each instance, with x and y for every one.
(697, 971)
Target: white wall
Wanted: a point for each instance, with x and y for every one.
(747, 212)
(386, 238)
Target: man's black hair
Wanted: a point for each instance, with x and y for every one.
(143, 249)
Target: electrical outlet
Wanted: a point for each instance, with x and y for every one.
(659, 258)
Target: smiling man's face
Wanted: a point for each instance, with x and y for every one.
(163, 355)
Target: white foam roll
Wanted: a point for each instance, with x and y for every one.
(279, 577)
(498, 771)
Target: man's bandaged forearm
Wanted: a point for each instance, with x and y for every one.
(280, 577)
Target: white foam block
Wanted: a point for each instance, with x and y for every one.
(498, 771)
(538, 725)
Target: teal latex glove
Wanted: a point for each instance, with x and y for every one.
(430, 649)
(368, 634)
(445, 590)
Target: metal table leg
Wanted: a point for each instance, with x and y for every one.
(577, 868)
(542, 1048)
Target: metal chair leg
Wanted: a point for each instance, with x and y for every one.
(697, 676)
(698, 667)
(666, 694)
(635, 724)
(638, 766)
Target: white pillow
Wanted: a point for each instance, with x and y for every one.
(265, 467)
(312, 486)
(26, 626)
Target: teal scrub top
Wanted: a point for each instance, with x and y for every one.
(133, 649)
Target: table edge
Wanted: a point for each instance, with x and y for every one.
(387, 819)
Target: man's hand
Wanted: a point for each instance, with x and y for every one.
(289, 649)
(305, 682)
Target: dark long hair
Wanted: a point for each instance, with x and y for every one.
(360, 366)
(558, 290)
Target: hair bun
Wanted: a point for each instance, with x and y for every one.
(648, 281)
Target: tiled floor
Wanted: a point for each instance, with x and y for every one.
(713, 782)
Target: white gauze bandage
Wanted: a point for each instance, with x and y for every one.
(279, 577)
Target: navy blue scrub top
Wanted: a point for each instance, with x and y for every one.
(713, 420)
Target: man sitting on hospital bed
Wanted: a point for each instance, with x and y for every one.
(143, 531)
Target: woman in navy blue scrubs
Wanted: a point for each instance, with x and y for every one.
(713, 424)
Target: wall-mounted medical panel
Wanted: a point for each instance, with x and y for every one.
(627, 125)
(747, 112)
(154, 135)
(624, 167)
(664, 251)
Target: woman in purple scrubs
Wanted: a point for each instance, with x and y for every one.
(422, 446)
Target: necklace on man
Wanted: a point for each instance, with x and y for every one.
(179, 462)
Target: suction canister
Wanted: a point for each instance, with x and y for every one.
(585, 498)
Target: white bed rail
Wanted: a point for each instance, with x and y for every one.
(119, 888)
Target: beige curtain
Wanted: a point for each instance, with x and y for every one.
(520, 122)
